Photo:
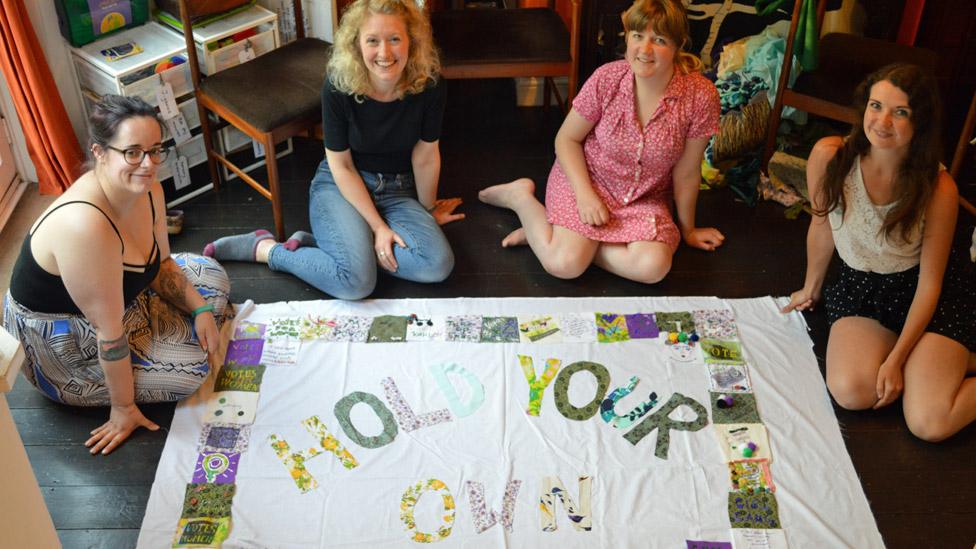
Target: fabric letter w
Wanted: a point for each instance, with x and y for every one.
(485, 519)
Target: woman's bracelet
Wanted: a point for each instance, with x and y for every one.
(202, 309)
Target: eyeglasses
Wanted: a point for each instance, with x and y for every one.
(134, 155)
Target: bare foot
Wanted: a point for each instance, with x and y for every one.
(506, 195)
(515, 238)
(262, 250)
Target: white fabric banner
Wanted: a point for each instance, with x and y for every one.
(395, 443)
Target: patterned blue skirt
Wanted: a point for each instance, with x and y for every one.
(167, 360)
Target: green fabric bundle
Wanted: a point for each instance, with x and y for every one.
(807, 40)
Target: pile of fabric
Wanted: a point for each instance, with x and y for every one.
(746, 78)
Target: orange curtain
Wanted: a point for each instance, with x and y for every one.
(51, 142)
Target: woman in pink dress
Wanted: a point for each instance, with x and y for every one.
(631, 144)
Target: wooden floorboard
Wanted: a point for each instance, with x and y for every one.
(922, 495)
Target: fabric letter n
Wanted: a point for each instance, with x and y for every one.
(552, 489)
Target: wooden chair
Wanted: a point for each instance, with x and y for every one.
(510, 43)
(844, 61)
(271, 98)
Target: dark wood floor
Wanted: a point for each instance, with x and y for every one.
(922, 495)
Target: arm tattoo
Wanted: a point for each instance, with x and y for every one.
(171, 284)
(114, 349)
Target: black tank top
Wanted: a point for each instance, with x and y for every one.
(43, 292)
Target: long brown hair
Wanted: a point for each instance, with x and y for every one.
(916, 177)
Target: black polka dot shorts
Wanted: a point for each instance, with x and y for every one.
(887, 298)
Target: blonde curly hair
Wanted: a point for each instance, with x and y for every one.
(348, 72)
(667, 18)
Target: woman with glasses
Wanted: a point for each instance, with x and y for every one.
(106, 316)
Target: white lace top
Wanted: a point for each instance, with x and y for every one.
(857, 235)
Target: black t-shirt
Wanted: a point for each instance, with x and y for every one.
(381, 135)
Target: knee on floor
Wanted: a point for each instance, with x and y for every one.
(435, 270)
(929, 424)
(566, 267)
(352, 286)
(652, 268)
(851, 393)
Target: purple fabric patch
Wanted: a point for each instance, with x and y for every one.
(216, 468)
(244, 351)
(223, 437)
(693, 544)
(642, 326)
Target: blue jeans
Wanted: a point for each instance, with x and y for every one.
(343, 264)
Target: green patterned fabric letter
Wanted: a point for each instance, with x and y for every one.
(659, 420)
(537, 386)
(561, 390)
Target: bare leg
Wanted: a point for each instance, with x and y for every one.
(515, 238)
(856, 348)
(562, 252)
(939, 399)
(641, 261)
(262, 250)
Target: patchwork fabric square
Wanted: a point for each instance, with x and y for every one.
(499, 329)
(681, 321)
(536, 328)
(742, 410)
(642, 326)
(426, 328)
(577, 327)
(464, 328)
(244, 351)
(201, 532)
(249, 330)
(722, 351)
(611, 327)
(281, 351)
(715, 323)
(352, 329)
(316, 327)
(387, 329)
(207, 500)
(753, 510)
(216, 468)
(237, 407)
(751, 476)
(224, 437)
(699, 544)
(239, 377)
(284, 327)
(732, 378)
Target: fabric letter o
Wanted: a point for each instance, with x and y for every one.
(343, 409)
(561, 391)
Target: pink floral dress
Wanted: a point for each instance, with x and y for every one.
(631, 166)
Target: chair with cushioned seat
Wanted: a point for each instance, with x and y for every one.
(510, 43)
(270, 98)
